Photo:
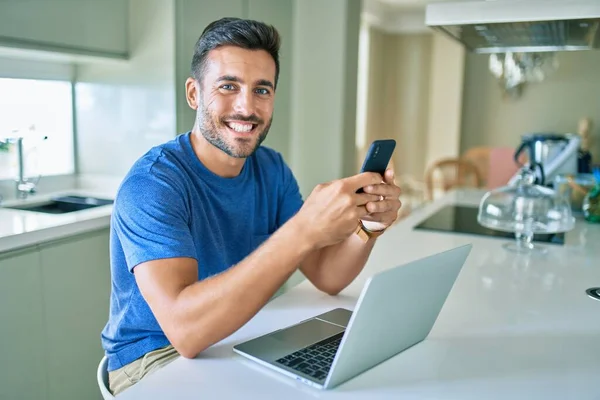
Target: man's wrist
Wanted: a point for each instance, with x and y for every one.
(373, 226)
(305, 239)
(369, 230)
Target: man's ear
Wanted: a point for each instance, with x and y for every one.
(192, 93)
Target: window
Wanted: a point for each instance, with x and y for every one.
(34, 110)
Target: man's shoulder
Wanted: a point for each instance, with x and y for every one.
(160, 161)
(158, 169)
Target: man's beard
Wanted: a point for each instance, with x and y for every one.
(240, 148)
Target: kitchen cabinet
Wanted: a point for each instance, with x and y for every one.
(76, 291)
(22, 342)
(54, 300)
(87, 27)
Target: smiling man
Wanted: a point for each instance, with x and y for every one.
(208, 226)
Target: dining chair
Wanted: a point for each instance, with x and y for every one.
(102, 378)
(480, 157)
(449, 173)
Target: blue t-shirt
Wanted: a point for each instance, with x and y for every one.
(171, 205)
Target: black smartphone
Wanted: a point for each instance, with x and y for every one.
(378, 157)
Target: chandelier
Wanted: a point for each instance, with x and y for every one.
(514, 70)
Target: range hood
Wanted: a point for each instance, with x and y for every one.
(500, 26)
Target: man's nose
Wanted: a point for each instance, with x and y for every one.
(244, 103)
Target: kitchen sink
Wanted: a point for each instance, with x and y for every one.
(63, 204)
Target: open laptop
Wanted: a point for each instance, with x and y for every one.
(396, 309)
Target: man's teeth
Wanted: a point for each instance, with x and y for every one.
(240, 127)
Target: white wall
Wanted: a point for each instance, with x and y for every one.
(124, 110)
(398, 97)
(325, 61)
(555, 105)
(445, 98)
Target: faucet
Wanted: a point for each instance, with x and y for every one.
(23, 186)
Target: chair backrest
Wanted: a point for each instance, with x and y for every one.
(102, 377)
(449, 173)
(503, 166)
(480, 158)
(496, 164)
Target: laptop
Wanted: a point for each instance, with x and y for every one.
(396, 310)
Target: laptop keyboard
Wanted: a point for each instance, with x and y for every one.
(314, 360)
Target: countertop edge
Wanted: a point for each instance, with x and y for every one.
(49, 234)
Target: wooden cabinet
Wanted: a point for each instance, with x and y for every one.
(85, 27)
(22, 364)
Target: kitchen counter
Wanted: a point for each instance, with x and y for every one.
(20, 229)
(514, 326)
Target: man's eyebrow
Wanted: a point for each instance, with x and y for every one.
(265, 82)
(230, 78)
(233, 78)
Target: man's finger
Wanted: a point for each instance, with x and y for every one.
(384, 190)
(364, 198)
(389, 177)
(362, 212)
(380, 206)
(387, 217)
(364, 179)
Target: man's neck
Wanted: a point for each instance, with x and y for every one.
(214, 158)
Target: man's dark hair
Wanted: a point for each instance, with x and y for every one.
(244, 33)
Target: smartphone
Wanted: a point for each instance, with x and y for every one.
(378, 157)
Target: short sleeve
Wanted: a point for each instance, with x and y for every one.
(290, 200)
(150, 219)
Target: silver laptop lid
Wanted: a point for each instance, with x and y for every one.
(396, 309)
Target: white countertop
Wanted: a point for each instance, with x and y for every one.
(513, 327)
(19, 229)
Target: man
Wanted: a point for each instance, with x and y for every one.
(208, 226)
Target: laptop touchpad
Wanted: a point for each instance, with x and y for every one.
(307, 333)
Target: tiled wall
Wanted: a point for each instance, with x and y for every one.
(123, 110)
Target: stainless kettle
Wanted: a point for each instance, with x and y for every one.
(553, 153)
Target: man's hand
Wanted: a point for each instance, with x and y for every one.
(331, 213)
(384, 211)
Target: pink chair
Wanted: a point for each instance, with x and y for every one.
(502, 166)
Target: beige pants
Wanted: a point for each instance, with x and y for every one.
(130, 374)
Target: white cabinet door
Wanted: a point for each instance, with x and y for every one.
(70, 25)
(76, 290)
(22, 360)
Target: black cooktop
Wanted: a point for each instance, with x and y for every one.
(463, 219)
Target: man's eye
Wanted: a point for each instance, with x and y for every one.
(227, 86)
(262, 91)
